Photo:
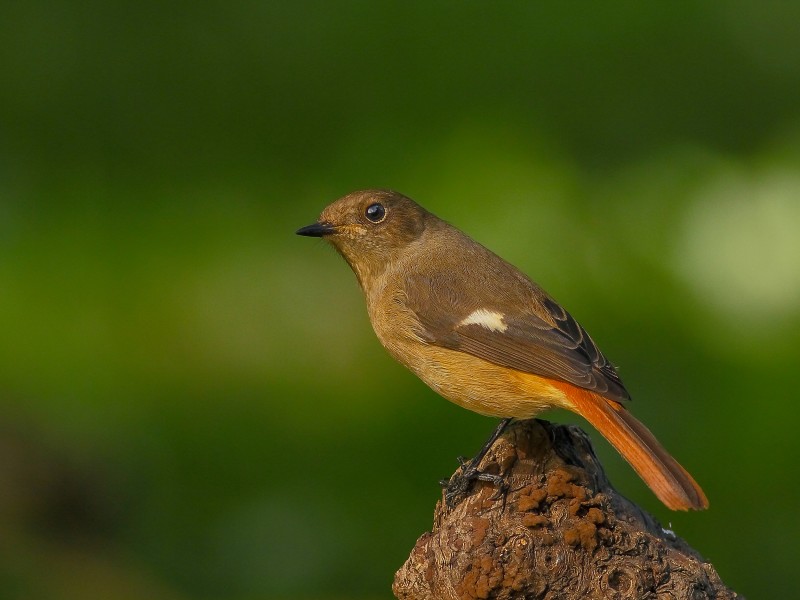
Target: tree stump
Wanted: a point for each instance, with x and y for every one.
(558, 531)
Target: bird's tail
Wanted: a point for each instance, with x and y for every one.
(662, 473)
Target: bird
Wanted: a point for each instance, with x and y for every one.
(485, 336)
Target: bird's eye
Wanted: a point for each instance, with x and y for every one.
(375, 212)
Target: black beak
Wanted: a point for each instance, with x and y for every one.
(316, 230)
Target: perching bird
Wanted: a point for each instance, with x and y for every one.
(482, 334)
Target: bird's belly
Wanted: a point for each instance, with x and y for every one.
(481, 386)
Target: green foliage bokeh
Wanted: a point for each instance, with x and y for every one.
(192, 403)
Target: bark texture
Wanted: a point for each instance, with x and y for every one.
(559, 531)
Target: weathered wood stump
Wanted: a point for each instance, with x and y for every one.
(559, 531)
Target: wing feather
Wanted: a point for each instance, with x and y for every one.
(537, 335)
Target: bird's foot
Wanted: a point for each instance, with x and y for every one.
(457, 487)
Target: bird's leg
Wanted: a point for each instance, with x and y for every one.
(459, 483)
(470, 468)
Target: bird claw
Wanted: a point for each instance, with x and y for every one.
(500, 491)
(459, 484)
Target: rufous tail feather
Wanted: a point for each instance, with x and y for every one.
(670, 482)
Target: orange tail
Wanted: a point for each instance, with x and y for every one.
(668, 480)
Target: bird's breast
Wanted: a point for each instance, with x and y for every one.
(462, 378)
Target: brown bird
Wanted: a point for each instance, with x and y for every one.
(483, 335)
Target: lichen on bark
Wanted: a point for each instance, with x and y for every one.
(558, 531)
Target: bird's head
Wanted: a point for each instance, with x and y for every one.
(369, 228)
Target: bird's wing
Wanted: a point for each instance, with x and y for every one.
(526, 331)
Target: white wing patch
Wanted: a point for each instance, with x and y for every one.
(490, 319)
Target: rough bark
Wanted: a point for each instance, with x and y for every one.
(559, 531)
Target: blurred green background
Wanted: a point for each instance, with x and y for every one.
(192, 402)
